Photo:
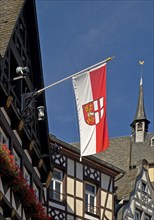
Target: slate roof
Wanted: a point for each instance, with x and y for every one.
(143, 150)
(121, 148)
(118, 152)
(120, 145)
(9, 11)
(124, 189)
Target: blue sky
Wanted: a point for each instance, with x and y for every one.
(77, 34)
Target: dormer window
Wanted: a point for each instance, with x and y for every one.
(152, 141)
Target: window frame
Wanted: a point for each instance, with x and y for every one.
(91, 208)
(26, 172)
(137, 211)
(152, 141)
(143, 187)
(37, 190)
(147, 217)
(140, 126)
(3, 136)
(17, 158)
(54, 194)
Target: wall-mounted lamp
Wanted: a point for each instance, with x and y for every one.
(41, 114)
(22, 72)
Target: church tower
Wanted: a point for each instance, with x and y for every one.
(140, 123)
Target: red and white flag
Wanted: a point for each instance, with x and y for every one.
(90, 93)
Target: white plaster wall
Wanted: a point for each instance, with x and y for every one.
(89, 217)
(79, 189)
(79, 207)
(70, 204)
(110, 201)
(70, 186)
(103, 198)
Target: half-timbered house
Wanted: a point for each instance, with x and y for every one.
(81, 189)
(135, 194)
(23, 124)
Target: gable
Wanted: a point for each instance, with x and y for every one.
(141, 198)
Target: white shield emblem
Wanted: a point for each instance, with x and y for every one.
(93, 111)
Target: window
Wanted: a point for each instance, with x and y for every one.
(90, 198)
(147, 217)
(37, 191)
(27, 176)
(143, 187)
(138, 214)
(17, 158)
(139, 126)
(3, 138)
(152, 141)
(56, 185)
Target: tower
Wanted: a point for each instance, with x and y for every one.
(140, 123)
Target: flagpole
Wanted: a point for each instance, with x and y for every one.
(62, 80)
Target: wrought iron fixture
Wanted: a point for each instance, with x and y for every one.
(28, 100)
(54, 149)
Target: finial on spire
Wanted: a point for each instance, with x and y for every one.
(141, 81)
(141, 62)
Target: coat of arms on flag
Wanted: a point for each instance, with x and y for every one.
(93, 111)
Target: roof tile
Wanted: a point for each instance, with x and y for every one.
(9, 11)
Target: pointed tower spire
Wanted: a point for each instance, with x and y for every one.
(140, 112)
(140, 123)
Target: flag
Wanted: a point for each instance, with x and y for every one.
(90, 93)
